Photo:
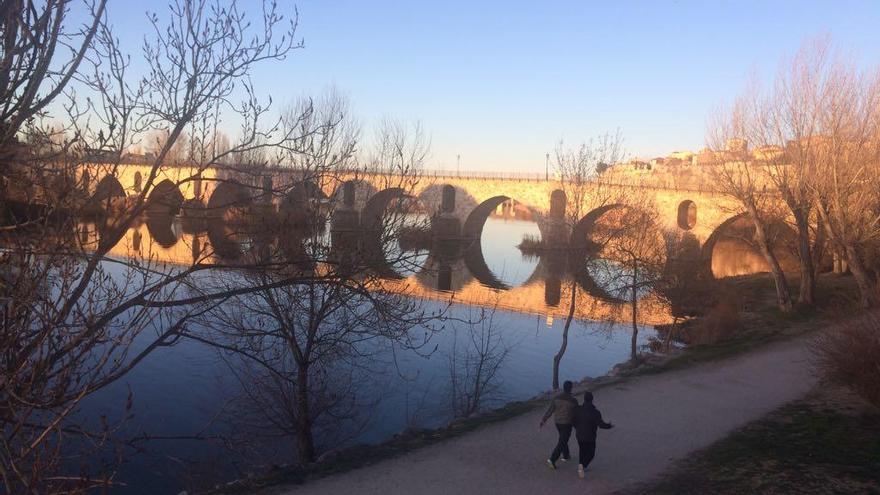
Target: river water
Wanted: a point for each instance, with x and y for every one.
(186, 398)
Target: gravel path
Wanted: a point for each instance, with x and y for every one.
(658, 420)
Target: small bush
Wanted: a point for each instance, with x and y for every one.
(849, 353)
(531, 244)
(719, 323)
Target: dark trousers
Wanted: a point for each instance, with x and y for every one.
(586, 452)
(562, 444)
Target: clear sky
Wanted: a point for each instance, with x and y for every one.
(501, 82)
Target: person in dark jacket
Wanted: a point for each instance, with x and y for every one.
(562, 408)
(587, 420)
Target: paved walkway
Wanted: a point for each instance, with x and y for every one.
(658, 419)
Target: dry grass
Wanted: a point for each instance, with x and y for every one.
(849, 353)
(826, 443)
(718, 324)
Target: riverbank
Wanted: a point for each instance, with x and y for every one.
(828, 442)
(764, 329)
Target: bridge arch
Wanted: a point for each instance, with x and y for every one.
(227, 243)
(304, 191)
(109, 196)
(474, 258)
(228, 194)
(162, 231)
(300, 207)
(751, 260)
(588, 262)
(712, 240)
(479, 269)
(376, 245)
(448, 200)
(476, 219)
(580, 234)
(165, 198)
(378, 204)
(108, 187)
(473, 225)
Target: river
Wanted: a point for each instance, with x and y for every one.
(188, 427)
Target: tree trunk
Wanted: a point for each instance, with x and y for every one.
(558, 357)
(783, 295)
(867, 289)
(635, 332)
(819, 247)
(304, 436)
(805, 255)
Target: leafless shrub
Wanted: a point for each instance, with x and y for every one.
(721, 322)
(849, 353)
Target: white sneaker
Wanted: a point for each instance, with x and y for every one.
(550, 464)
(564, 459)
(581, 471)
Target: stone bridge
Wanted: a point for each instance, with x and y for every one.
(461, 203)
(459, 206)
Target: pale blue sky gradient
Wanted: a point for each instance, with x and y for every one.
(501, 82)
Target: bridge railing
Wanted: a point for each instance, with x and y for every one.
(654, 182)
(701, 184)
(488, 175)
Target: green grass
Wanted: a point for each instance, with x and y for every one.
(805, 447)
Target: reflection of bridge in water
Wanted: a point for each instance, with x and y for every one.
(461, 275)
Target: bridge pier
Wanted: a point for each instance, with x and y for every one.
(345, 228)
(445, 225)
(555, 265)
(555, 232)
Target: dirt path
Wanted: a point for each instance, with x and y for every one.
(659, 419)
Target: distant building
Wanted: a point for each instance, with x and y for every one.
(708, 157)
(737, 145)
(768, 153)
(97, 155)
(639, 164)
(683, 156)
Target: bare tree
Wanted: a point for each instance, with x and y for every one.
(631, 262)
(746, 183)
(474, 364)
(315, 324)
(584, 191)
(41, 54)
(72, 314)
(788, 126)
(847, 173)
(816, 144)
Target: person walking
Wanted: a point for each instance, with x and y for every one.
(562, 408)
(587, 421)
